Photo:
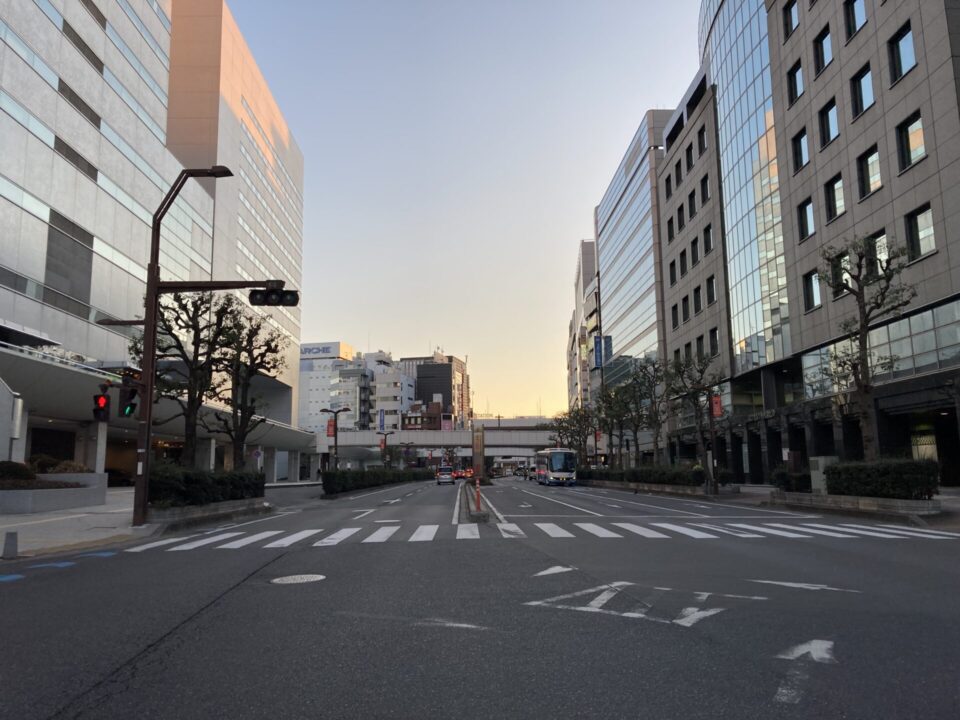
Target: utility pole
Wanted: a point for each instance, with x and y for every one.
(336, 432)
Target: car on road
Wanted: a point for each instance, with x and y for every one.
(445, 475)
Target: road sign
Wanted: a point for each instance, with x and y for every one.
(382, 420)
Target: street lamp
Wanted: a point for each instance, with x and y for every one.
(406, 451)
(336, 431)
(149, 363)
(385, 435)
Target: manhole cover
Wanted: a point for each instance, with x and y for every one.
(296, 579)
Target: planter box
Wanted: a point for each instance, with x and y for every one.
(19, 502)
(856, 503)
(176, 517)
(659, 488)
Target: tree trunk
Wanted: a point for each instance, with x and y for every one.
(656, 446)
(188, 457)
(636, 448)
(868, 425)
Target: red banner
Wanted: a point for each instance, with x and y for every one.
(716, 405)
(330, 429)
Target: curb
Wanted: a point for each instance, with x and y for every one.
(468, 501)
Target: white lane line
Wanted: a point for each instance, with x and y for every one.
(634, 502)
(828, 533)
(496, 512)
(386, 521)
(158, 543)
(249, 540)
(231, 526)
(697, 534)
(901, 531)
(597, 530)
(941, 533)
(291, 539)
(618, 507)
(337, 537)
(456, 504)
(468, 531)
(561, 502)
(640, 530)
(363, 513)
(771, 531)
(556, 569)
(375, 492)
(554, 530)
(424, 533)
(868, 533)
(728, 531)
(205, 541)
(509, 530)
(381, 534)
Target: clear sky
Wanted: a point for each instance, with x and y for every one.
(454, 151)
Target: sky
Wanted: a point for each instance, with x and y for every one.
(454, 153)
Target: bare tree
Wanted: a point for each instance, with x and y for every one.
(612, 409)
(650, 401)
(251, 348)
(694, 387)
(868, 270)
(573, 430)
(191, 329)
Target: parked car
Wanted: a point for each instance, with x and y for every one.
(445, 475)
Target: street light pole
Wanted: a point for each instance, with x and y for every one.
(336, 433)
(385, 435)
(148, 364)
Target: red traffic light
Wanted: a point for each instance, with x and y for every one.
(102, 401)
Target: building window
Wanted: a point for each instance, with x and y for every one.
(791, 18)
(801, 150)
(678, 173)
(683, 263)
(811, 291)
(878, 253)
(707, 239)
(702, 140)
(669, 187)
(685, 308)
(822, 50)
(699, 346)
(692, 204)
(833, 197)
(673, 273)
(681, 223)
(855, 16)
(697, 300)
(862, 91)
(829, 123)
(714, 342)
(689, 157)
(669, 229)
(694, 252)
(805, 224)
(676, 356)
(910, 145)
(795, 82)
(711, 290)
(704, 189)
(675, 317)
(920, 239)
(840, 268)
(868, 172)
(688, 352)
(903, 58)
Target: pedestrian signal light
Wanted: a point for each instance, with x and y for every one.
(101, 407)
(128, 404)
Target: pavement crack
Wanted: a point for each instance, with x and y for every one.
(123, 676)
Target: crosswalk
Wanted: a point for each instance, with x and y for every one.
(716, 530)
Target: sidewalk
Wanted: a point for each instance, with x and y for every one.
(76, 528)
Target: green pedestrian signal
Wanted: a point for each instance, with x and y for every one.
(128, 405)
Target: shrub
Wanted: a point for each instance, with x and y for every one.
(900, 479)
(338, 481)
(788, 481)
(174, 486)
(725, 477)
(69, 466)
(15, 471)
(43, 463)
(651, 474)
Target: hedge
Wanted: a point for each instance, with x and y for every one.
(900, 479)
(338, 481)
(15, 471)
(651, 474)
(174, 486)
(788, 481)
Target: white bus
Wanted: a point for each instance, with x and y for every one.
(556, 466)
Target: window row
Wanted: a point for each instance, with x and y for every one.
(680, 312)
(854, 17)
(678, 167)
(714, 340)
(694, 254)
(690, 209)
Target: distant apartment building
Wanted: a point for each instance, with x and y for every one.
(446, 376)
(393, 392)
(579, 343)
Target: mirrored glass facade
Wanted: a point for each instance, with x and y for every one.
(733, 43)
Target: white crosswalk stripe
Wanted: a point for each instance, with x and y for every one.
(338, 537)
(868, 533)
(727, 531)
(294, 538)
(468, 531)
(770, 531)
(925, 531)
(598, 530)
(640, 530)
(554, 530)
(698, 534)
(242, 542)
(814, 531)
(909, 532)
(209, 540)
(424, 533)
(382, 534)
(158, 543)
(510, 530)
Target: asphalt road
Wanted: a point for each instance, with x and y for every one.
(578, 602)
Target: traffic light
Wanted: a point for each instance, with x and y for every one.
(128, 405)
(288, 298)
(101, 406)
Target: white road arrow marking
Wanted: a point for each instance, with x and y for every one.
(363, 513)
(391, 502)
(554, 570)
(440, 622)
(820, 651)
(525, 505)
(803, 586)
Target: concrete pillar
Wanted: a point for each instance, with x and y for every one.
(313, 460)
(207, 453)
(293, 466)
(90, 447)
(270, 464)
(18, 439)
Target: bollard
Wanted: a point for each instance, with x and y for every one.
(10, 546)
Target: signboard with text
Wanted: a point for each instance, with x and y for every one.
(381, 420)
(597, 351)
(716, 405)
(330, 428)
